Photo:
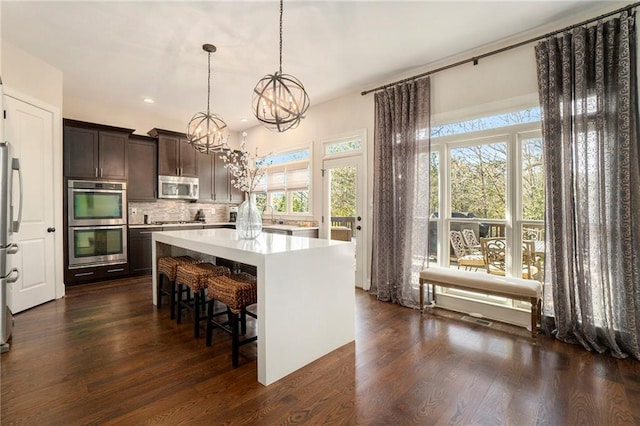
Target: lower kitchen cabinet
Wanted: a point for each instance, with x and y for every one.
(96, 273)
(140, 250)
(140, 260)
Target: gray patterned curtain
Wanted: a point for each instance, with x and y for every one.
(587, 88)
(399, 204)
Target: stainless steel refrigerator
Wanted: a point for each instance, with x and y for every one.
(8, 274)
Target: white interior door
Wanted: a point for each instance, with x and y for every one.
(30, 130)
(344, 207)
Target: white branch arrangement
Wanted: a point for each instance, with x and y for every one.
(238, 163)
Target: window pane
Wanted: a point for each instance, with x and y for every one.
(343, 190)
(492, 122)
(340, 147)
(300, 201)
(532, 179)
(279, 201)
(479, 181)
(286, 157)
(261, 201)
(434, 183)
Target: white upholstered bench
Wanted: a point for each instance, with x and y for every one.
(512, 288)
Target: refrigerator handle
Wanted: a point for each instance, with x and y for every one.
(15, 165)
(13, 248)
(13, 279)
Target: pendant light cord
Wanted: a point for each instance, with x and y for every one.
(281, 1)
(208, 83)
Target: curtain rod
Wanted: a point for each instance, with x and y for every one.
(475, 59)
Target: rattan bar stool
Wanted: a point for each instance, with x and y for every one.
(237, 292)
(167, 267)
(193, 278)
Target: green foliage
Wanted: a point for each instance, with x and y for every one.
(343, 191)
(279, 202)
(300, 201)
(533, 180)
(479, 180)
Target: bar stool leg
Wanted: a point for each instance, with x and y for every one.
(209, 319)
(243, 321)
(179, 304)
(172, 302)
(235, 346)
(160, 280)
(196, 314)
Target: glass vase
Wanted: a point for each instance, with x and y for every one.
(249, 220)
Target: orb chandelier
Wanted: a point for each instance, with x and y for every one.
(279, 100)
(208, 132)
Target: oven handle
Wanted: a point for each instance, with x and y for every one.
(106, 191)
(91, 227)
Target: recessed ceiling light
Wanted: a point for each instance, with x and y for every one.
(244, 120)
(148, 100)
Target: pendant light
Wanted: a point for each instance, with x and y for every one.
(279, 100)
(208, 132)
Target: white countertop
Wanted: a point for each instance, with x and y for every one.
(266, 243)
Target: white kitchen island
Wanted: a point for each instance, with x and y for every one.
(306, 291)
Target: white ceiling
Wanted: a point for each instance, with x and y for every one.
(119, 52)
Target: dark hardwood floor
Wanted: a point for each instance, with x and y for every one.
(105, 355)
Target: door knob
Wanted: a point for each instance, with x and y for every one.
(51, 229)
(358, 227)
(358, 218)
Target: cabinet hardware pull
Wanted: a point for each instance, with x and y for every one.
(84, 274)
(96, 172)
(146, 232)
(100, 171)
(115, 270)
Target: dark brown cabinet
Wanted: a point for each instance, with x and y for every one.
(95, 151)
(95, 273)
(140, 241)
(215, 181)
(143, 175)
(205, 177)
(140, 250)
(175, 156)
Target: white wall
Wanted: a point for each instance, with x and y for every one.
(31, 76)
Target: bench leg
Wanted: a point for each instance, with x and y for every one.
(534, 317)
(421, 296)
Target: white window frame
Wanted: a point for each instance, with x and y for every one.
(288, 191)
(513, 136)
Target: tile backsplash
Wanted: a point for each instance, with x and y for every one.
(176, 210)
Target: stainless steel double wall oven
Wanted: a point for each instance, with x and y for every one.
(97, 223)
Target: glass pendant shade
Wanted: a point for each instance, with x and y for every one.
(279, 101)
(207, 132)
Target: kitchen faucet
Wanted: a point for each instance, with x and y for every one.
(272, 211)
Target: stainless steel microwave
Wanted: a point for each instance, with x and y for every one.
(178, 187)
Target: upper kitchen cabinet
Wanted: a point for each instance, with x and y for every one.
(95, 151)
(175, 156)
(215, 181)
(143, 174)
